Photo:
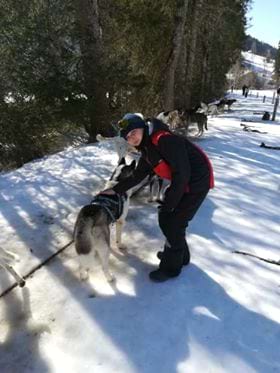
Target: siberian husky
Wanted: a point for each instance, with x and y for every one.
(5, 258)
(121, 146)
(124, 150)
(177, 119)
(171, 118)
(199, 118)
(92, 228)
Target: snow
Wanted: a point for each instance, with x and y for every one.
(220, 315)
(258, 64)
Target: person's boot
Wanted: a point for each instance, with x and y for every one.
(186, 259)
(160, 276)
(169, 267)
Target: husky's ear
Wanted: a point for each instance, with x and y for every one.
(133, 164)
(122, 161)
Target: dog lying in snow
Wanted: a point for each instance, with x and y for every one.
(92, 227)
(5, 258)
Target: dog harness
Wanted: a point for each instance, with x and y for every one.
(113, 205)
(163, 169)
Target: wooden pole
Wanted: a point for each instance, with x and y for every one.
(275, 107)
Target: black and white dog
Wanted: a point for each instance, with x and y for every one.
(92, 228)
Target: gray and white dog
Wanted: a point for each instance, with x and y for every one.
(92, 227)
(183, 118)
(124, 150)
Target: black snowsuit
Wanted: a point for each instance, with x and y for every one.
(190, 183)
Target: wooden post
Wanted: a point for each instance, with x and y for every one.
(264, 97)
(275, 107)
(273, 98)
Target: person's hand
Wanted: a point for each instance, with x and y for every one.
(109, 192)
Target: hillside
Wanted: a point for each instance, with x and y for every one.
(258, 64)
(259, 47)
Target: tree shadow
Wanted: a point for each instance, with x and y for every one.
(20, 350)
(158, 327)
(39, 206)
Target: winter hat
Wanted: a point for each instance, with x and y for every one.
(130, 122)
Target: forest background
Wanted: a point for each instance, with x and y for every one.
(69, 69)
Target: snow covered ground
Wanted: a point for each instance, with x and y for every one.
(220, 315)
(258, 64)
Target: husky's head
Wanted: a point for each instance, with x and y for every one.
(123, 171)
(164, 117)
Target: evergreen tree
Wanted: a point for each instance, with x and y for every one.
(87, 62)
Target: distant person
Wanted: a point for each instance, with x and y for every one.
(278, 91)
(244, 89)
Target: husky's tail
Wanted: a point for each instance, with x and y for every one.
(83, 230)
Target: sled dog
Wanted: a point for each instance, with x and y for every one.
(92, 227)
(199, 118)
(171, 118)
(183, 118)
(124, 150)
(5, 258)
(121, 146)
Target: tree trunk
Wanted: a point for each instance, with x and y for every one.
(178, 36)
(192, 50)
(180, 76)
(92, 50)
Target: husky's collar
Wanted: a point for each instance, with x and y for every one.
(113, 204)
